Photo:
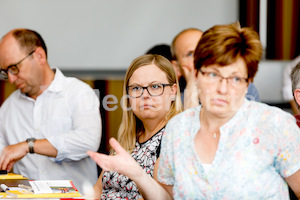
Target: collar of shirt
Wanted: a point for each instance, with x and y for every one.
(55, 89)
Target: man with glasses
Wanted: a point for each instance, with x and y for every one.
(50, 121)
(182, 50)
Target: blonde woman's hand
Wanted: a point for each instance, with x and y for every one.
(121, 162)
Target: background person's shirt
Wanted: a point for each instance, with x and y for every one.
(252, 93)
(298, 119)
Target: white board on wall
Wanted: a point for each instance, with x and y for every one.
(109, 34)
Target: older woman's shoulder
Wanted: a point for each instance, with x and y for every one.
(183, 125)
(185, 118)
(187, 114)
(264, 110)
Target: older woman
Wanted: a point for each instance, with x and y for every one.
(150, 86)
(229, 147)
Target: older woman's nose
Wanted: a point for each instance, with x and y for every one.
(223, 86)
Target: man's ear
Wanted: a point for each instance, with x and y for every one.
(40, 54)
(297, 96)
(175, 65)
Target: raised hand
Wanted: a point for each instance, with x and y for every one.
(121, 161)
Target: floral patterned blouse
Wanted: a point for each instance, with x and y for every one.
(258, 148)
(118, 186)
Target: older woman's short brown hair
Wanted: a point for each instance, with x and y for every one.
(223, 44)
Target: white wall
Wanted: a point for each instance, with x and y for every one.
(108, 34)
(268, 81)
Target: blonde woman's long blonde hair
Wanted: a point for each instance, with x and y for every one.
(131, 127)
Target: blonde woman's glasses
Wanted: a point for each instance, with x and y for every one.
(156, 89)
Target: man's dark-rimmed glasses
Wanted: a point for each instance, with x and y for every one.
(13, 69)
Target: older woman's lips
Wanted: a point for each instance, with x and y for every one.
(220, 101)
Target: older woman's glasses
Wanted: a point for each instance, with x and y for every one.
(156, 89)
(13, 69)
(214, 77)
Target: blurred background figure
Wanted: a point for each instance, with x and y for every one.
(295, 80)
(182, 50)
(287, 93)
(161, 49)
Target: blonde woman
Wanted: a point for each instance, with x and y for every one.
(152, 100)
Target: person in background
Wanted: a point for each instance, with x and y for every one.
(287, 85)
(153, 99)
(295, 81)
(295, 84)
(50, 121)
(182, 50)
(228, 147)
(161, 49)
